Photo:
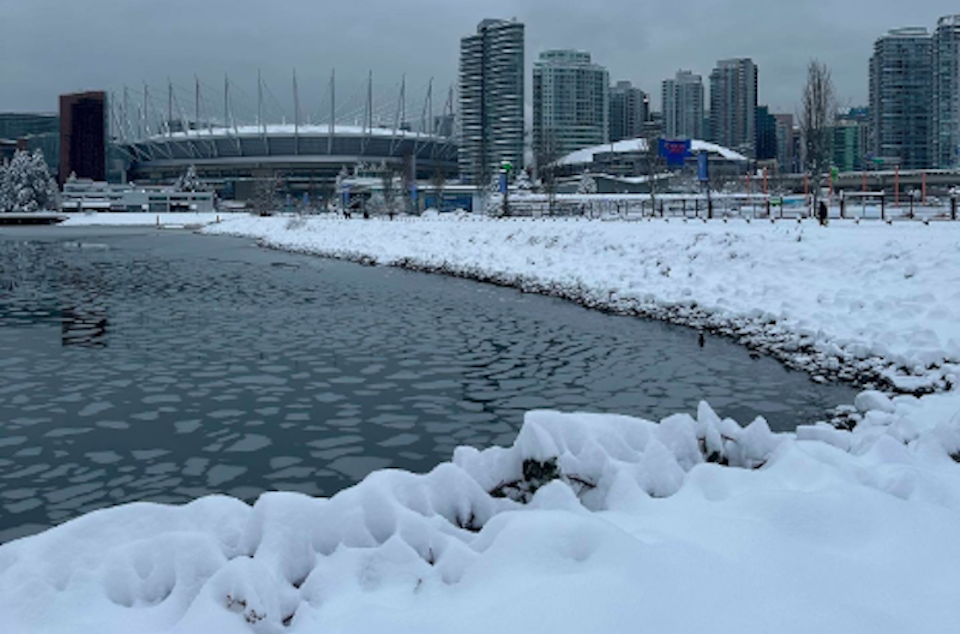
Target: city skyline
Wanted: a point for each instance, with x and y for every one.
(645, 48)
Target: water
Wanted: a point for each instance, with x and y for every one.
(144, 365)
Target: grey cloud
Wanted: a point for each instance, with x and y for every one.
(58, 46)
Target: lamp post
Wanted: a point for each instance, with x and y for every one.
(505, 168)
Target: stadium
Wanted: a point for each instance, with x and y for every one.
(301, 157)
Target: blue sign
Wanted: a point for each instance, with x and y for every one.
(676, 152)
(703, 167)
(503, 183)
(413, 193)
(346, 196)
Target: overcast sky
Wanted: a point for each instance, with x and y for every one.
(49, 47)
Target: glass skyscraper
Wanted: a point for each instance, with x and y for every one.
(491, 100)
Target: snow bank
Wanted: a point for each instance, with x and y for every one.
(587, 523)
(874, 302)
(124, 219)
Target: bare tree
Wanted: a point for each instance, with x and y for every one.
(438, 180)
(267, 194)
(545, 156)
(818, 112)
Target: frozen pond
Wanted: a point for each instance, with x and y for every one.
(144, 365)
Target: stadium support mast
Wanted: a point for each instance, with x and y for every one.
(333, 110)
(260, 103)
(169, 107)
(146, 110)
(226, 101)
(296, 114)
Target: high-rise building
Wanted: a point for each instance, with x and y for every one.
(83, 136)
(901, 96)
(629, 110)
(946, 92)
(683, 106)
(491, 99)
(766, 134)
(786, 162)
(848, 139)
(733, 105)
(571, 106)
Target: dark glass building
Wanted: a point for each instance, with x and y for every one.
(83, 136)
(766, 134)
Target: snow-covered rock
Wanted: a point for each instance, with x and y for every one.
(872, 400)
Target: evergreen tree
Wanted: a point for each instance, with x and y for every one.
(189, 181)
(26, 185)
(587, 184)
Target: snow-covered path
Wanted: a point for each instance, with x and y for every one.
(854, 299)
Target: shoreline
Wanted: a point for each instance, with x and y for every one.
(822, 357)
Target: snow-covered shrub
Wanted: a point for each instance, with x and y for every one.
(26, 185)
(587, 185)
(189, 181)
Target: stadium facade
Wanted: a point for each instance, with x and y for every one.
(298, 158)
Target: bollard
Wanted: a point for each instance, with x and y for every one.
(953, 208)
(158, 222)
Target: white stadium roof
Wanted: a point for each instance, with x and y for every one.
(586, 155)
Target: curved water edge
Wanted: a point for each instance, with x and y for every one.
(149, 365)
(761, 333)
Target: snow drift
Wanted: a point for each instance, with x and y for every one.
(587, 523)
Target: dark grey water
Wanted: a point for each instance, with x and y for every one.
(163, 366)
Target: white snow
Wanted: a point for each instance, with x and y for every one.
(867, 299)
(632, 530)
(126, 219)
(589, 523)
(585, 156)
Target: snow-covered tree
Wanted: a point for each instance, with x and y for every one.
(523, 184)
(587, 184)
(189, 181)
(26, 185)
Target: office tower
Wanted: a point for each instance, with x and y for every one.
(901, 98)
(83, 136)
(946, 93)
(766, 134)
(491, 100)
(683, 106)
(571, 105)
(629, 110)
(786, 162)
(733, 105)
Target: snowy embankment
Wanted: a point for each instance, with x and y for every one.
(868, 301)
(587, 524)
(123, 219)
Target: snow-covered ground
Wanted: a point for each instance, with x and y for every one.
(587, 524)
(869, 300)
(590, 522)
(122, 219)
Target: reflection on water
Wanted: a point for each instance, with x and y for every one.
(166, 366)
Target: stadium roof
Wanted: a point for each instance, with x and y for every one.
(280, 129)
(586, 155)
